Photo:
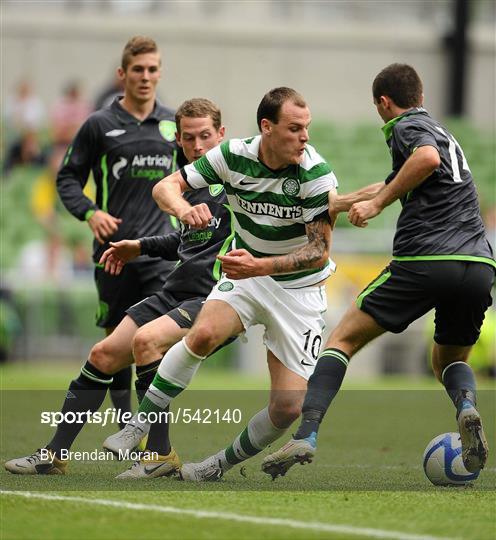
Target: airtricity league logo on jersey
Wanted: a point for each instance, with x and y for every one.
(152, 161)
(150, 167)
(290, 187)
(167, 129)
(118, 166)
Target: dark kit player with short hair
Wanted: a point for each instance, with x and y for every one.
(442, 260)
(154, 324)
(127, 147)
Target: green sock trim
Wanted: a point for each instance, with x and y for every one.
(90, 375)
(246, 445)
(166, 387)
(231, 456)
(331, 353)
(147, 406)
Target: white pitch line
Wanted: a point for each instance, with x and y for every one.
(227, 516)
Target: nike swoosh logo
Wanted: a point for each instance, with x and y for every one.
(245, 183)
(149, 470)
(303, 363)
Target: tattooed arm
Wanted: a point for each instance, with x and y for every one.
(313, 255)
(240, 264)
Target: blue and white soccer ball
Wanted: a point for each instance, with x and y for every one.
(443, 464)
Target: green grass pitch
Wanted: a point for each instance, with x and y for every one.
(366, 481)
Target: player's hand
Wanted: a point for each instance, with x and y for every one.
(240, 264)
(118, 254)
(103, 225)
(361, 212)
(197, 216)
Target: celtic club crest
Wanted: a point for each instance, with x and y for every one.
(226, 286)
(290, 187)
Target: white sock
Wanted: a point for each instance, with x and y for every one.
(179, 364)
(259, 433)
(175, 372)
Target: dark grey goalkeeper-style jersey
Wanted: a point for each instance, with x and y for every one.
(127, 158)
(198, 268)
(441, 218)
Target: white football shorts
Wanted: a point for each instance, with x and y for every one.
(293, 318)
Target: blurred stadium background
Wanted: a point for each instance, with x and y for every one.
(58, 60)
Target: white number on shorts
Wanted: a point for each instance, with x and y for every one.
(315, 346)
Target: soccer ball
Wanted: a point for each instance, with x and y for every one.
(443, 464)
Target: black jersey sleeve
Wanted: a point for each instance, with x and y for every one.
(74, 172)
(165, 246)
(408, 136)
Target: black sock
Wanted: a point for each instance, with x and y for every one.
(158, 436)
(323, 385)
(86, 393)
(459, 381)
(120, 392)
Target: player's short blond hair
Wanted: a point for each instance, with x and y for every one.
(199, 108)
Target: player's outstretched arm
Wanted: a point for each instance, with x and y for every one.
(164, 246)
(419, 166)
(118, 254)
(240, 264)
(168, 195)
(343, 202)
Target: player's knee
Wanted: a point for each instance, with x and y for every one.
(102, 357)
(202, 340)
(147, 347)
(284, 413)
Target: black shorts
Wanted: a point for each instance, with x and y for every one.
(459, 291)
(135, 282)
(184, 312)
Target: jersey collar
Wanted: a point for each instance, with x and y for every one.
(254, 146)
(127, 118)
(387, 128)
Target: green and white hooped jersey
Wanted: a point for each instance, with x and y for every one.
(270, 208)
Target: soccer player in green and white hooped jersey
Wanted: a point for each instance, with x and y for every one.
(278, 188)
(442, 260)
